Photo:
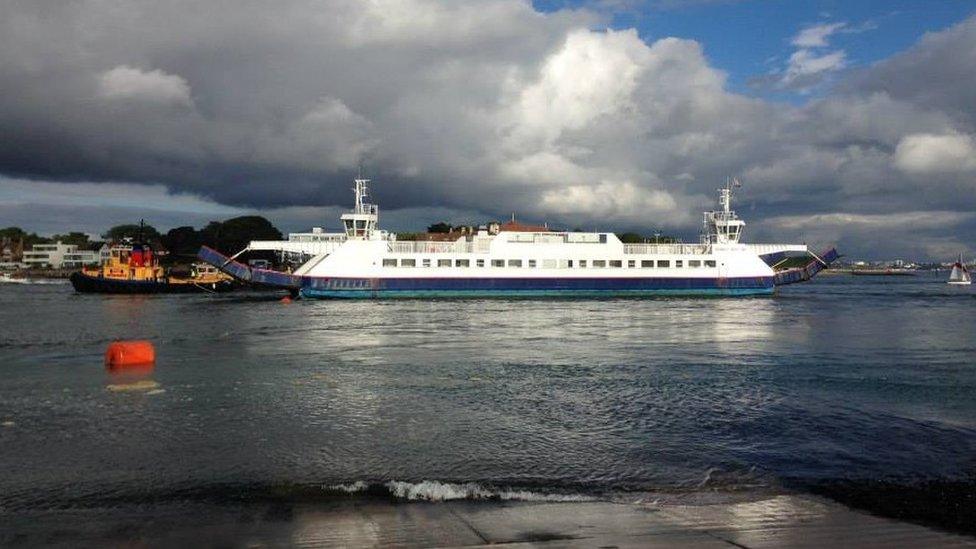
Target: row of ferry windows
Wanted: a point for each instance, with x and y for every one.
(554, 264)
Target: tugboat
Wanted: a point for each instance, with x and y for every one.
(135, 269)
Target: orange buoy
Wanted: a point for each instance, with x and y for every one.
(121, 354)
(286, 300)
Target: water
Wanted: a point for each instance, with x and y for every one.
(859, 388)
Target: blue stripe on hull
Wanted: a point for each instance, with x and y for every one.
(532, 287)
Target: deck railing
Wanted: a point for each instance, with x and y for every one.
(430, 247)
(666, 249)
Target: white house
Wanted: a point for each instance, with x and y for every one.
(60, 256)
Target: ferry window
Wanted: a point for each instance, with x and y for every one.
(531, 263)
(663, 263)
(462, 263)
(679, 263)
(443, 262)
(709, 262)
(570, 263)
(389, 262)
(426, 262)
(599, 263)
(548, 263)
(408, 262)
(480, 262)
(693, 263)
(497, 262)
(582, 263)
(631, 263)
(514, 262)
(616, 263)
(603, 239)
(647, 264)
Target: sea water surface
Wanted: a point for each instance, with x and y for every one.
(859, 388)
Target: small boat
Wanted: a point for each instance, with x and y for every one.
(959, 275)
(7, 278)
(134, 269)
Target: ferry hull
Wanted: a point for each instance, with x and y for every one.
(332, 288)
(96, 285)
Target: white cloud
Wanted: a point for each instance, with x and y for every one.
(809, 65)
(129, 82)
(925, 153)
(816, 35)
(806, 63)
(616, 202)
(901, 220)
(593, 74)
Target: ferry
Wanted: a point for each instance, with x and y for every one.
(367, 262)
(134, 269)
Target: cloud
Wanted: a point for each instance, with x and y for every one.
(124, 82)
(816, 36)
(936, 73)
(917, 220)
(811, 64)
(807, 68)
(466, 111)
(621, 201)
(925, 153)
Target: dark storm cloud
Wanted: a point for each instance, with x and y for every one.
(936, 74)
(485, 106)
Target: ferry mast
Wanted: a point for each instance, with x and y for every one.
(362, 222)
(723, 226)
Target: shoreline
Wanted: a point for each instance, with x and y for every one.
(785, 520)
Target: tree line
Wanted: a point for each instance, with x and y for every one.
(229, 237)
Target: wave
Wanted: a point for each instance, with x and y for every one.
(432, 490)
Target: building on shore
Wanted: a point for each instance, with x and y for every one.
(62, 256)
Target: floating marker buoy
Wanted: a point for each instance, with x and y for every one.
(121, 354)
(286, 299)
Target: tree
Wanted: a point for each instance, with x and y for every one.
(235, 234)
(74, 237)
(441, 227)
(15, 234)
(136, 231)
(184, 241)
(630, 238)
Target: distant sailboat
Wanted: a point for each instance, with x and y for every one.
(959, 273)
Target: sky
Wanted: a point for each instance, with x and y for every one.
(849, 123)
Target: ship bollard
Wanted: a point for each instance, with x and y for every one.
(124, 354)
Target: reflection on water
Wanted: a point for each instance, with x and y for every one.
(837, 379)
(133, 378)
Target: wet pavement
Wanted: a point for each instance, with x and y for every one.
(779, 521)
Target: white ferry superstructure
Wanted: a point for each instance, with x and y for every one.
(366, 262)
